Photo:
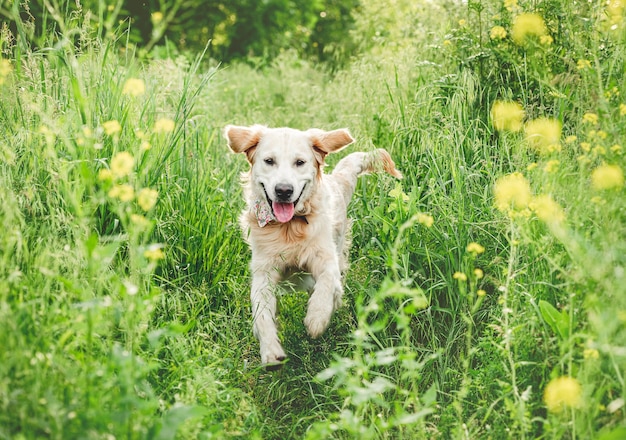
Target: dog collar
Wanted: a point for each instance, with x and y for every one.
(264, 215)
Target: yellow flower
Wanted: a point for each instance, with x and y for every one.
(447, 43)
(475, 248)
(617, 149)
(478, 273)
(459, 276)
(139, 220)
(124, 192)
(562, 392)
(583, 64)
(590, 118)
(425, 219)
(122, 164)
(145, 146)
(147, 198)
(531, 166)
(507, 116)
(546, 40)
(599, 150)
(544, 135)
(5, 70)
(105, 174)
(607, 177)
(164, 125)
(497, 33)
(112, 127)
(156, 17)
(585, 146)
(622, 109)
(547, 209)
(154, 252)
(481, 292)
(528, 25)
(134, 87)
(512, 192)
(552, 166)
(462, 22)
(511, 5)
(591, 353)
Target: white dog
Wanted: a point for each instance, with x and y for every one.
(296, 219)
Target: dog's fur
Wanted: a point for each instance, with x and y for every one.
(296, 219)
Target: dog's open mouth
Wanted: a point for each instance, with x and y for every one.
(283, 211)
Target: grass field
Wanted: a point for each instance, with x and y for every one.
(486, 297)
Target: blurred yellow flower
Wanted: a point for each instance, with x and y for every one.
(591, 353)
(531, 166)
(583, 64)
(124, 192)
(546, 40)
(156, 17)
(585, 146)
(122, 164)
(145, 146)
(459, 276)
(164, 125)
(551, 166)
(478, 273)
(512, 192)
(154, 252)
(139, 220)
(475, 248)
(134, 87)
(511, 5)
(607, 177)
(5, 70)
(425, 219)
(544, 135)
(507, 116)
(528, 25)
(105, 174)
(497, 33)
(481, 292)
(571, 139)
(622, 109)
(562, 392)
(617, 149)
(546, 209)
(462, 22)
(112, 127)
(590, 118)
(147, 198)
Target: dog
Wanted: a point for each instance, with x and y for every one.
(296, 220)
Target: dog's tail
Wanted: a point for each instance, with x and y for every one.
(355, 164)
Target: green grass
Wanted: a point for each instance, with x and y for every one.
(103, 340)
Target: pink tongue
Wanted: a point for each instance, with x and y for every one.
(283, 211)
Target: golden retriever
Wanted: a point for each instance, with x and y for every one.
(296, 219)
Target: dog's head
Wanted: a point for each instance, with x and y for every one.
(285, 163)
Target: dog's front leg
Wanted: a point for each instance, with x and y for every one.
(326, 297)
(263, 302)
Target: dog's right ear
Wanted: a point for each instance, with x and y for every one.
(243, 139)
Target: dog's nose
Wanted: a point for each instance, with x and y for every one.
(283, 191)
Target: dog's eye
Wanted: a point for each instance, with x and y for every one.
(300, 162)
(269, 161)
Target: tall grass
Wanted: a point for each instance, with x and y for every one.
(479, 303)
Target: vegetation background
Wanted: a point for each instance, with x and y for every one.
(487, 293)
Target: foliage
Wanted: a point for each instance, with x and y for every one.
(486, 294)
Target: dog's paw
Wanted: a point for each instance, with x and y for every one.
(316, 325)
(273, 357)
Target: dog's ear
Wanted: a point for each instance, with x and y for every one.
(326, 142)
(243, 139)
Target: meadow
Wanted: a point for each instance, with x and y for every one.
(486, 297)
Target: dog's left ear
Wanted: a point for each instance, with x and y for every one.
(326, 142)
(243, 139)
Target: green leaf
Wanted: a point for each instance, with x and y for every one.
(558, 321)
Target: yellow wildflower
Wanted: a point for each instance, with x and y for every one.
(583, 64)
(154, 252)
(546, 40)
(462, 22)
(585, 146)
(591, 353)
(145, 146)
(544, 135)
(475, 248)
(447, 43)
(617, 149)
(511, 5)
(497, 33)
(147, 198)
(481, 292)
(622, 109)
(134, 87)
(512, 192)
(164, 125)
(105, 174)
(139, 220)
(597, 200)
(607, 177)
(156, 17)
(571, 139)
(528, 25)
(531, 166)
(590, 118)
(459, 276)
(547, 209)
(122, 164)
(552, 166)
(478, 273)
(507, 116)
(562, 392)
(112, 127)
(599, 150)
(124, 192)
(425, 219)
(602, 134)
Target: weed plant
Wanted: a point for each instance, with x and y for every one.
(486, 296)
